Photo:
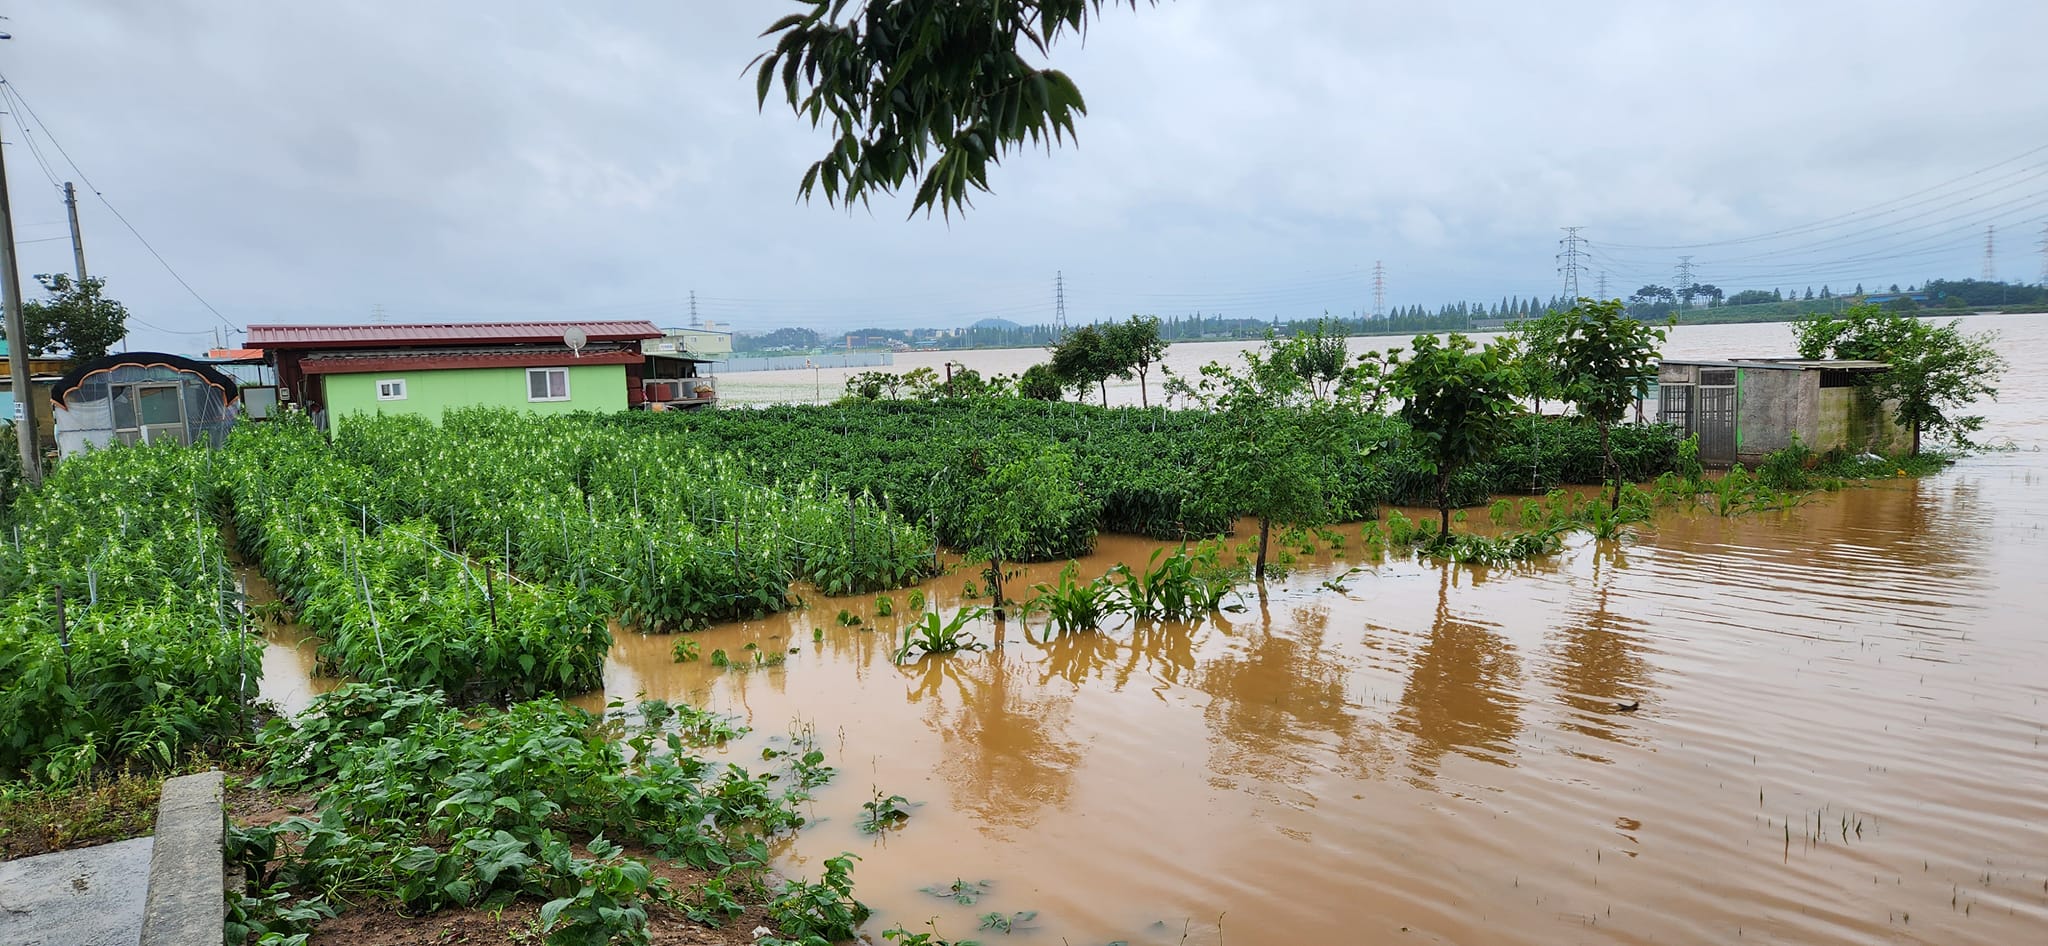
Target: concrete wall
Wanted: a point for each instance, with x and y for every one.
(1850, 418)
(431, 393)
(1772, 407)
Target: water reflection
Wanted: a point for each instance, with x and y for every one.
(1008, 755)
(1080, 657)
(1280, 708)
(1461, 695)
(1598, 664)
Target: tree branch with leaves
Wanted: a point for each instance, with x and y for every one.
(925, 91)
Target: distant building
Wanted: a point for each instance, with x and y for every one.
(692, 341)
(42, 373)
(334, 371)
(1742, 409)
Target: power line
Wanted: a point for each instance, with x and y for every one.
(28, 139)
(1839, 219)
(18, 99)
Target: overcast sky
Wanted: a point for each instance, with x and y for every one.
(514, 160)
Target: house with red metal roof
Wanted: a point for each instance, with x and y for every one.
(334, 371)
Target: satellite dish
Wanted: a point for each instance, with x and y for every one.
(575, 338)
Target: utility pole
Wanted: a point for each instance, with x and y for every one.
(77, 241)
(1379, 290)
(1568, 262)
(1990, 253)
(1059, 302)
(1685, 282)
(17, 340)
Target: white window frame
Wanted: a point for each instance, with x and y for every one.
(398, 394)
(530, 372)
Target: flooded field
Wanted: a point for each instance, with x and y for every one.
(1818, 725)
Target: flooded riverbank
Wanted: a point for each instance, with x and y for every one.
(1818, 725)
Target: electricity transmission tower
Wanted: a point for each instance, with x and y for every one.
(2044, 256)
(1379, 290)
(1603, 285)
(1685, 282)
(695, 322)
(1568, 261)
(1059, 303)
(1990, 253)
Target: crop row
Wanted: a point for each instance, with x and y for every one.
(679, 535)
(121, 640)
(389, 600)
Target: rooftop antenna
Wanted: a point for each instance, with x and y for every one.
(575, 338)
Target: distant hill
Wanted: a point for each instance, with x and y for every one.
(995, 323)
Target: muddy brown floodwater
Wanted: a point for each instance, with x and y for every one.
(1839, 736)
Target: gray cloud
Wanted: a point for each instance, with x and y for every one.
(525, 160)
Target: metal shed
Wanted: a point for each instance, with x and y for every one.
(142, 397)
(1744, 408)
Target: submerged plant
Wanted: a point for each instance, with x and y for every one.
(1008, 923)
(1185, 585)
(931, 634)
(1070, 604)
(883, 812)
(960, 891)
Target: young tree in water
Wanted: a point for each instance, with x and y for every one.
(1605, 359)
(1317, 356)
(930, 91)
(1083, 358)
(995, 489)
(1040, 382)
(1135, 345)
(1270, 455)
(1537, 363)
(1458, 400)
(1367, 384)
(1936, 370)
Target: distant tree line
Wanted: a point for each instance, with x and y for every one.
(1651, 303)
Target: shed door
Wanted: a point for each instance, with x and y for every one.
(1674, 406)
(1715, 424)
(162, 410)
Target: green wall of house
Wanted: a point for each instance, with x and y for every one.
(430, 393)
